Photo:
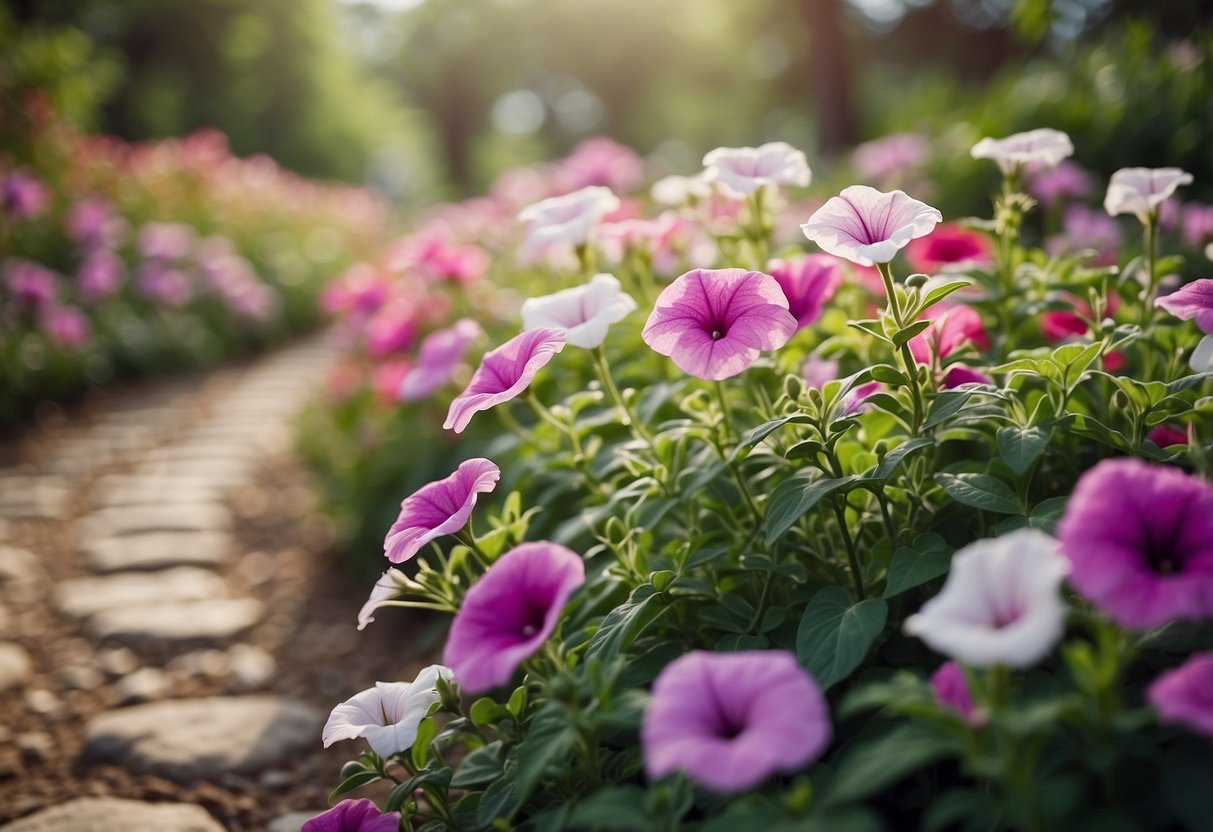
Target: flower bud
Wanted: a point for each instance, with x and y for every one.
(350, 769)
(793, 386)
(917, 281)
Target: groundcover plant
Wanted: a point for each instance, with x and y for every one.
(798, 539)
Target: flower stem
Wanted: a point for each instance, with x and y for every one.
(852, 555)
(627, 416)
(1150, 230)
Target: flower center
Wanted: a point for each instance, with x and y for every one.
(718, 333)
(1160, 555)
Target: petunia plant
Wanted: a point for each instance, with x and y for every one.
(862, 529)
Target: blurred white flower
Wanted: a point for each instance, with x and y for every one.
(743, 170)
(1000, 604)
(679, 190)
(584, 313)
(386, 716)
(1202, 357)
(568, 219)
(1042, 149)
(1139, 191)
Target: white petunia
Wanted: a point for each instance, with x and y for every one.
(389, 586)
(1000, 604)
(1139, 191)
(1042, 148)
(867, 226)
(386, 716)
(744, 170)
(679, 190)
(584, 313)
(1202, 357)
(568, 219)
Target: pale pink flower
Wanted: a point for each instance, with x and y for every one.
(584, 313)
(567, 220)
(1139, 191)
(388, 715)
(440, 354)
(503, 374)
(744, 170)
(890, 158)
(1042, 148)
(866, 226)
(439, 508)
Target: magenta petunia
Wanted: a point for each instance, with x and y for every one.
(439, 509)
(731, 720)
(959, 374)
(22, 195)
(952, 327)
(952, 690)
(503, 374)
(1139, 538)
(100, 274)
(1164, 436)
(509, 613)
(1192, 301)
(1185, 694)
(65, 325)
(867, 227)
(808, 282)
(437, 359)
(714, 323)
(949, 246)
(354, 816)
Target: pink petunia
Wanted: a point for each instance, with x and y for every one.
(1066, 181)
(952, 690)
(1192, 301)
(958, 375)
(949, 246)
(29, 283)
(100, 274)
(867, 227)
(1185, 694)
(1164, 436)
(503, 374)
(952, 327)
(440, 353)
(439, 508)
(714, 323)
(22, 195)
(731, 720)
(744, 170)
(65, 325)
(808, 282)
(510, 612)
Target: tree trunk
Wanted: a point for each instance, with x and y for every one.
(830, 73)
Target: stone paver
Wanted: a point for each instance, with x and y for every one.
(211, 621)
(15, 666)
(84, 597)
(204, 738)
(110, 814)
(157, 550)
(141, 519)
(291, 822)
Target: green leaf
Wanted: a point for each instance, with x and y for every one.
(626, 622)
(836, 633)
(1187, 383)
(613, 809)
(484, 765)
(403, 791)
(420, 750)
(350, 783)
(794, 496)
(549, 737)
(913, 566)
(888, 465)
(981, 491)
(940, 292)
(498, 801)
(889, 375)
(1020, 447)
(870, 766)
(517, 703)
(946, 405)
(870, 327)
(485, 711)
(756, 435)
(903, 336)
(805, 450)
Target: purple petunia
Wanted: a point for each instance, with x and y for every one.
(503, 374)
(438, 509)
(1139, 538)
(715, 322)
(437, 359)
(354, 816)
(952, 690)
(731, 720)
(1193, 301)
(1185, 694)
(509, 613)
(808, 283)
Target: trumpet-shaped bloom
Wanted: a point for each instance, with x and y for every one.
(743, 170)
(503, 374)
(437, 359)
(600, 160)
(958, 375)
(387, 715)
(1000, 604)
(1139, 538)
(165, 241)
(731, 720)
(679, 190)
(30, 283)
(1192, 301)
(388, 587)
(808, 282)
(22, 195)
(715, 323)
(890, 158)
(1041, 148)
(1139, 191)
(439, 509)
(1164, 436)
(949, 247)
(1201, 360)
(100, 274)
(354, 816)
(951, 328)
(1185, 694)
(509, 613)
(952, 690)
(1066, 181)
(584, 313)
(94, 224)
(867, 227)
(567, 220)
(65, 325)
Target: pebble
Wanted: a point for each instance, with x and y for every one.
(111, 814)
(43, 702)
(143, 685)
(117, 661)
(276, 779)
(16, 565)
(157, 550)
(81, 677)
(209, 663)
(187, 739)
(35, 745)
(121, 521)
(292, 822)
(84, 597)
(250, 668)
(195, 621)
(15, 666)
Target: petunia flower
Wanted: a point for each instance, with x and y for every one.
(565, 220)
(439, 355)
(958, 375)
(1201, 360)
(1139, 191)
(164, 284)
(890, 158)
(1000, 604)
(1192, 301)
(951, 328)
(1139, 538)
(503, 374)
(808, 282)
(599, 160)
(1042, 148)
(1197, 223)
(1085, 228)
(509, 613)
(353, 816)
(100, 274)
(731, 720)
(744, 170)
(389, 586)
(439, 508)
(23, 195)
(93, 224)
(65, 325)
(1185, 694)
(1067, 180)
(387, 715)
(584, 313)
(679, 190)
(29, 283)
(1164, 436)
(165, 241)
(867, 227)
(949, 247)
(952, 690)
(392, 328)
(714, 323)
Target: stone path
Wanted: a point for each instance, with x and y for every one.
(156, 595)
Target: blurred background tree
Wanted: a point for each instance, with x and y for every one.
(426, 97)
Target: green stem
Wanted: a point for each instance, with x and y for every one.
(1151, 233)
(852, 555)
(628, 417)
